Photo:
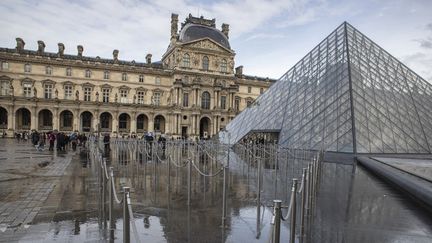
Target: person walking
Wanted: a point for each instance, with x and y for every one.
(51, 139)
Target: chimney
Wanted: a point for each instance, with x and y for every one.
(41, 47)
(225, 29)
(19, 44)
(148, 58)
(239, 71)
(61, 48)
(174, 25)
(80, 50)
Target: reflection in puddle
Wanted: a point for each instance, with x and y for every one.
(351, 202)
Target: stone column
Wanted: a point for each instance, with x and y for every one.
(179, 124)
(95, 121)
(34, 118)
(56, 120)
(11, 119)
(76, 121)
(151, 122)
(133, 125)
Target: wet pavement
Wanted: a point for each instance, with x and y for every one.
(60, 201)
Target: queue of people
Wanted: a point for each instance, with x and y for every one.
(60, 140)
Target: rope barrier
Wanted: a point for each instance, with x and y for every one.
(289, 210)
(203, 174)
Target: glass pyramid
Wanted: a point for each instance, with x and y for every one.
(346, 95)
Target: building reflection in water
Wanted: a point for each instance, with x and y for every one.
(352, 205)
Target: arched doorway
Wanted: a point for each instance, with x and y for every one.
(86, 121)
(23, 119)
(205, 131)
(142, 123)
(45, 120)
(124, 122)
(3, 118)
(66, 121)
(159, 124)
(106, 122)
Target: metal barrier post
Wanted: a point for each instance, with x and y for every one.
(126, 218)
(259, 179)
(277, 220)
(189, 183)
(111, 204)
(293, 211)
(224, 192)
(303, 206)
(309, 193)
(104, 180)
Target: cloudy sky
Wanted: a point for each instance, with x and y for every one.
(269, 36)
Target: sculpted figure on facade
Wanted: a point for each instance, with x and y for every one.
(35, 92)
(61, 49)
(77, 95)
(56, 93)
(19, 44)
(41, 47)
(115, 55)
(80, 50)
(11, 90)
(97, 96)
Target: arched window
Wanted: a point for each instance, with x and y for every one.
(223, 66)
(205, 100)
(186, 60)
(205, 63)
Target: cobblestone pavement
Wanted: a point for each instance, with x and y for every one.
(27, 179)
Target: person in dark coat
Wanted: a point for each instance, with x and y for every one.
(60, 141)
(106, 141)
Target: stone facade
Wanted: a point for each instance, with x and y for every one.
(194, 91)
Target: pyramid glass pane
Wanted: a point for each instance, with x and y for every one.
(386, 116)
(346, 95)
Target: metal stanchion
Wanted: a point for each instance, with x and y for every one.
(104, 180)
(224, 192)
(126, 218)
(259, 179)
(111, 204)
(293, 211)
(276, 220)
(189, 183)
(303, 206)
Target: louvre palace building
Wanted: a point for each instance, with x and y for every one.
(194, 91)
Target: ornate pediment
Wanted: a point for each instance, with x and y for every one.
(27, 81)
(48, 81)
(208, 44)
(6, 78)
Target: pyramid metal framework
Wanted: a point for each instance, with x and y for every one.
(346, 95)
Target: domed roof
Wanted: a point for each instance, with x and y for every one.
(191, 32)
